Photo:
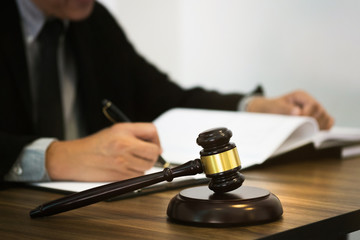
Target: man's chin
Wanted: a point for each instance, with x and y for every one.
(80, 10)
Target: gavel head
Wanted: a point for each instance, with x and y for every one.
(220, 160)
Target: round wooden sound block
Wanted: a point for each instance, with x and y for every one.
(244, 206)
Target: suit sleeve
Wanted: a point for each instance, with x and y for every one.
(151, 92)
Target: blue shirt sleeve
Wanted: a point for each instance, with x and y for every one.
(30, 165)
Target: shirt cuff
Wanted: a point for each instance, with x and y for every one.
(244, 102)
(30, 165)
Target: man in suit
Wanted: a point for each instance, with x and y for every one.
(94, 61)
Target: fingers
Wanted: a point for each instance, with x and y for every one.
(312, 108)
(115, 153)
(145, 131)
(131, 157)
(295, 103)
(139, 139)
(136, 146)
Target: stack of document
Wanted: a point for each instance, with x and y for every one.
(257, 136)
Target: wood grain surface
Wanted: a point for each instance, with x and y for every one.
(320, 198)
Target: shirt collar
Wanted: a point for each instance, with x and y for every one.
(32, 19)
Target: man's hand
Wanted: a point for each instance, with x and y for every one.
(122, 151)
(297, 103)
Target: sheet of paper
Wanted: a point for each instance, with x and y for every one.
(257, 136)
(70, 186)
(337, 136)
(350, 151)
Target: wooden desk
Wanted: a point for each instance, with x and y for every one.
(321, 199)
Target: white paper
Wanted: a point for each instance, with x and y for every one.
(71, 186)
(257, 136)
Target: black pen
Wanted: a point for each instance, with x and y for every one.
(115, 115)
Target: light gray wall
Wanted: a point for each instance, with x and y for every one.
(233, 45)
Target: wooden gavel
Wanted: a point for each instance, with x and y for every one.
(219, 161)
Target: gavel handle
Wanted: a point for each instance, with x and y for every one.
(97, 194)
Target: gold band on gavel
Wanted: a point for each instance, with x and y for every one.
(221, 162)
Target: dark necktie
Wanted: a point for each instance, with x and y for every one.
(49, 104)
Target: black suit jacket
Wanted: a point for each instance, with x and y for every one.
(107, 66)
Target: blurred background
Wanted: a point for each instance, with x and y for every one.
(234, 45)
